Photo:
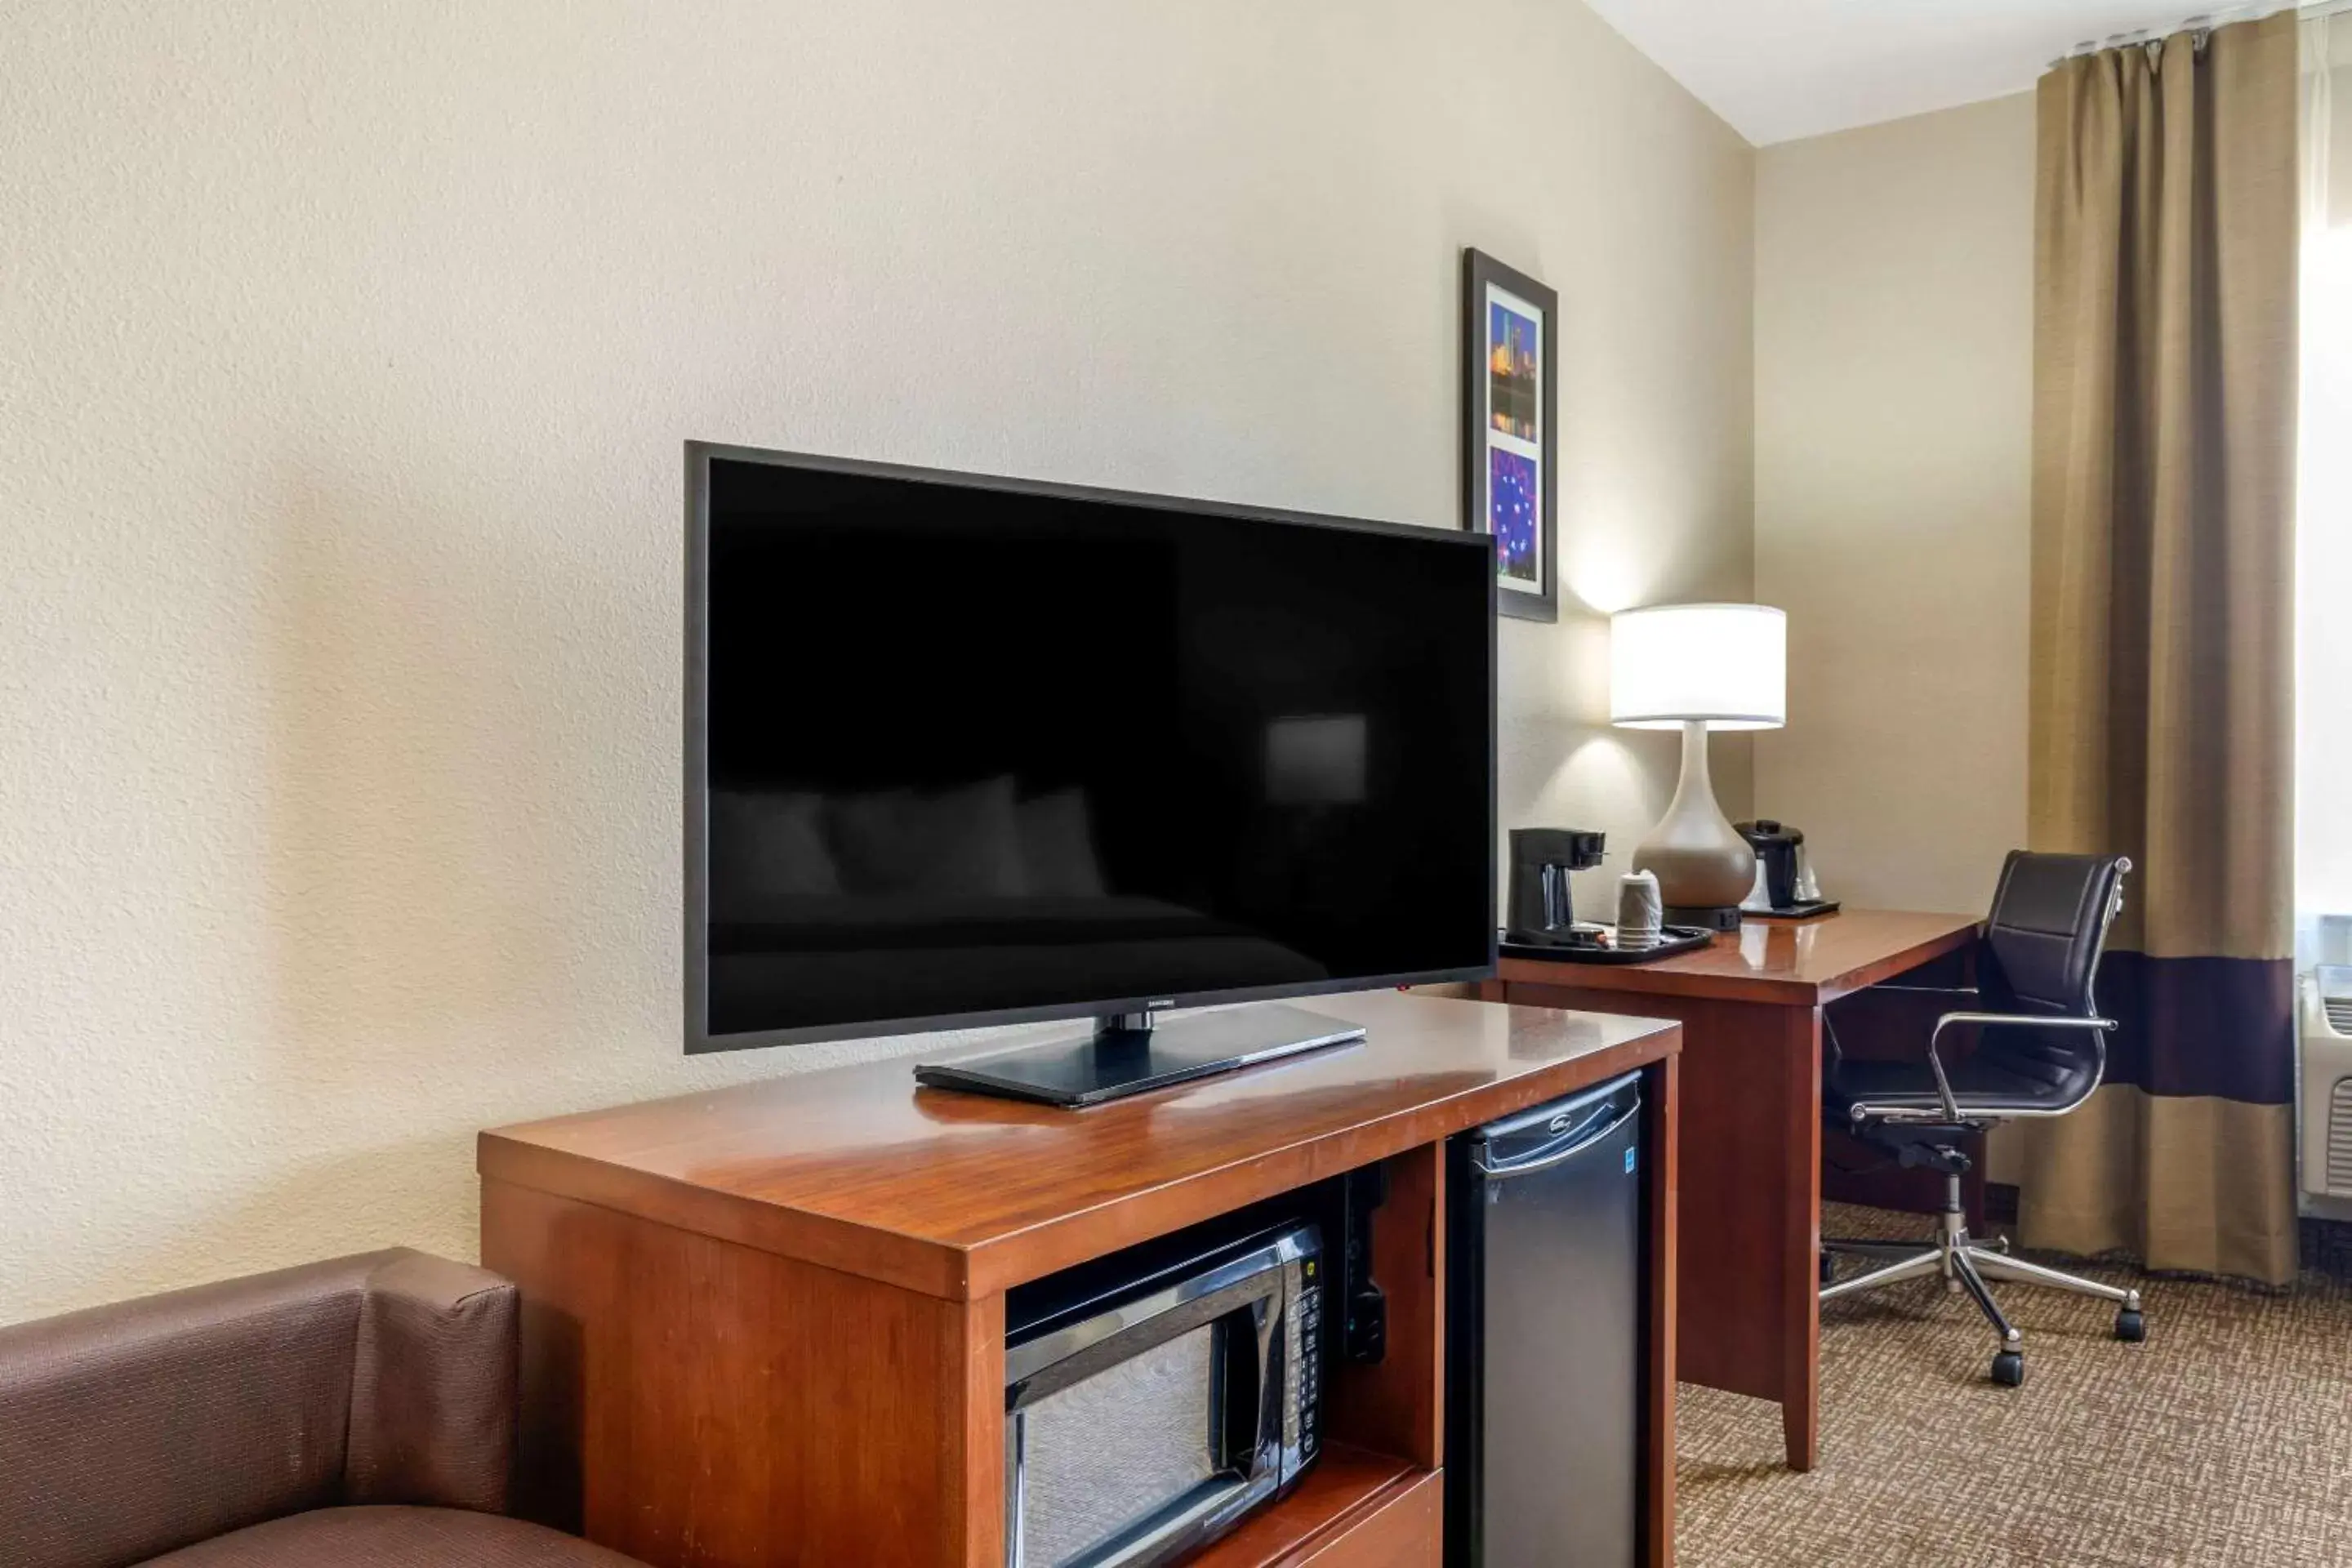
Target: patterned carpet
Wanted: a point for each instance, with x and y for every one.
(2224, 1441)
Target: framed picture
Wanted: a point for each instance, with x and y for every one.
(1509, 404)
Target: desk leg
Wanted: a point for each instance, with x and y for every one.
(1751, 1216)
(1800, 1218)
(1749, 1146)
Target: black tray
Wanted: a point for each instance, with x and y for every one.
(1793, 912)
(1677, 939)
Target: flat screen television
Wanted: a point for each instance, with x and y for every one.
(966, 751)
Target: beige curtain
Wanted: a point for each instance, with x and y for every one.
(2162, 703)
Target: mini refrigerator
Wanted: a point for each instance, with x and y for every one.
(1544, 1337)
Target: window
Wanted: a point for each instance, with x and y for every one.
(2324, 531)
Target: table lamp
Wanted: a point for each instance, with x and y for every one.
(1696, 668)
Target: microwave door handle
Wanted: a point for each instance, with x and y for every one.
(1254, 1401)
(1266, 1371)
(1249, 1428)
(1246, 1422)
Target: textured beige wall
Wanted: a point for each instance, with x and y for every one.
(1894, 403)
(346, 353)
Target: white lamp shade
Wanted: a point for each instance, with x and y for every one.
(1726, 664)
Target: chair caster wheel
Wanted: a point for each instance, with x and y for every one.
(2009, 1369)
(1829, 1268)
(2130, 1327)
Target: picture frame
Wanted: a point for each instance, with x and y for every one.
(1510, 431)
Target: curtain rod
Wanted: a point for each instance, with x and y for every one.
(2201, 24)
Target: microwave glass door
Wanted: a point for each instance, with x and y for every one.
(1140, 1430)
(1123, 1445)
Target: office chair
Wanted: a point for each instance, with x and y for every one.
(2041, 1051)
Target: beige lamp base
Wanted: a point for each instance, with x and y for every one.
(1699, 858)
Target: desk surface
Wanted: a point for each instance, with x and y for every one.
(957, 1194)
(1788, 962)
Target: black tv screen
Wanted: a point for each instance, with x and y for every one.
(966, 750)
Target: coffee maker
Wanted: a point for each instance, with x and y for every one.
(1541, 859)
(1784, 883)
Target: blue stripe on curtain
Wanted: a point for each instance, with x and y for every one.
(2223, 1027)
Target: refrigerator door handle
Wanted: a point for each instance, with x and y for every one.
(1530, 1164)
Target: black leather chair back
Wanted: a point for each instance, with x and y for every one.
(2046, 932)
(2040, 954)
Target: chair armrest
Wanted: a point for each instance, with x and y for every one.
(432, 1386)
(2021, 1020)
(1993, 1020)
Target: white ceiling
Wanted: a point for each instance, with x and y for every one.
(1778, 70)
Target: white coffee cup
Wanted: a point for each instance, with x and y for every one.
(1640, 911)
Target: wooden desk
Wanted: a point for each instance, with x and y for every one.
(765, 1325)
(1750, 1007)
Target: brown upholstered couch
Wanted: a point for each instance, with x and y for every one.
(358, 1412)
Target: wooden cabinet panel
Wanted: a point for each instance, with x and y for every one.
(690, 1401)
(1406, 1532)
(1398, 1406)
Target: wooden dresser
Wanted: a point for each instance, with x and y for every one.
(765, 1325)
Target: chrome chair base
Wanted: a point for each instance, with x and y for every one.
(1968, 1265)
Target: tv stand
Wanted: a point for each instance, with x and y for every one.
(1132, 1053)
(764, 1326)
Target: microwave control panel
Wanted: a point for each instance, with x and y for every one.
(1303, 1354)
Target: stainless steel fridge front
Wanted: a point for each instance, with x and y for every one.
(1545, 1336)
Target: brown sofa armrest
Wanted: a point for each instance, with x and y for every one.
(432, 1386)
(129, 1430)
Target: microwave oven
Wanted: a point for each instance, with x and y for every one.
(1154, 1399)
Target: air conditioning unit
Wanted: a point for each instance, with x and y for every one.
(2327, 1085)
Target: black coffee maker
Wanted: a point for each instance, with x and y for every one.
(1541, 859)
(1780, 861)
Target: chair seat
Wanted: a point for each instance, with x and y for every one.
(393, 1538)
(1983, 1084)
